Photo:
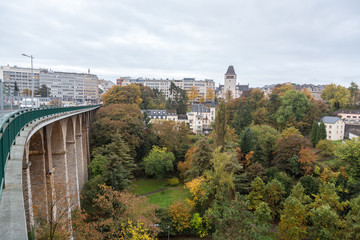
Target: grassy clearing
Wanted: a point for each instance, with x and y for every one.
(167, 197)
(337, 142)
(164, 198)
(330, 163)
(146, 185)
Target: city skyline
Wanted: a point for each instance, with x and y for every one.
(267, 43)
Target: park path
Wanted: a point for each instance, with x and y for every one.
(159, 190)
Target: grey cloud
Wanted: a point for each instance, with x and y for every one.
(267, 41)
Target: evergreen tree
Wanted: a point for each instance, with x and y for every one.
(247, 141)
(237, 122)
(321, 133)
(120, 166)
(16, 89)
(259, 155)
(220, 125)
(43, 91)
(313, 135)
(243, 117)
(200, 159)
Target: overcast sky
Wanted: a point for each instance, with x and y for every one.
(267, 41)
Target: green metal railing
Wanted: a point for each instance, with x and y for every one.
(15, 122)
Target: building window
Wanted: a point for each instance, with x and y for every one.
(329, 132)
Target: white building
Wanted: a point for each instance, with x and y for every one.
(22, 77)
(78, 87)
(163, 85)
(230, 90)
(335, 128)
(200, 117)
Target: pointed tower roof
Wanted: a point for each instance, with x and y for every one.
(230, 71)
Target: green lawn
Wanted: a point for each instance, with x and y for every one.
(166, 198)
(337, 142)
(331, 163)
(146, 185)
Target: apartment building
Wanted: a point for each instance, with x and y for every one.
(22, 77)
(163, 85)
(78, 87)
(200, 118)
(335, 128)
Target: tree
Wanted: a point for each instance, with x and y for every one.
(288, 145)
(353, 220)
(114, 210)
(193, 94)
(293, 106)
(257, 194)
(26, 92)
(266, 137)
(337, 96)
(233, 220)
(210, 95)
(281, 89)
(354, 94)
(202, 99)
(201, 159)
(313, 135)
(178, 101)
(326, 148)
(16, 89)
(243, 117)
(325, 223)
(321, 134)
(118, 170)
(247, 141)
(147, 97)
(307, 160)
(220, 125)
(43, 91)
(292, 224)
(274, 197)
(200, 224)
(219, 180)
(180, 213)
(129, 94)
(310, 184)
(196, 190)
(123, 118)
(158, 162)
(165, 132)
(229, 96)
(348, 155)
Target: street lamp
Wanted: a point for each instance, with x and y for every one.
(32, 76)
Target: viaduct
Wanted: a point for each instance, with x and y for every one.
(45, 167)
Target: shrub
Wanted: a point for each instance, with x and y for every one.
(173, 181)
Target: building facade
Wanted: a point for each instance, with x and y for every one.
(230, 90)
(199, 118)
(22, 77)
(349, 115)
(67, 86)
(335, 128)
(163, 85)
